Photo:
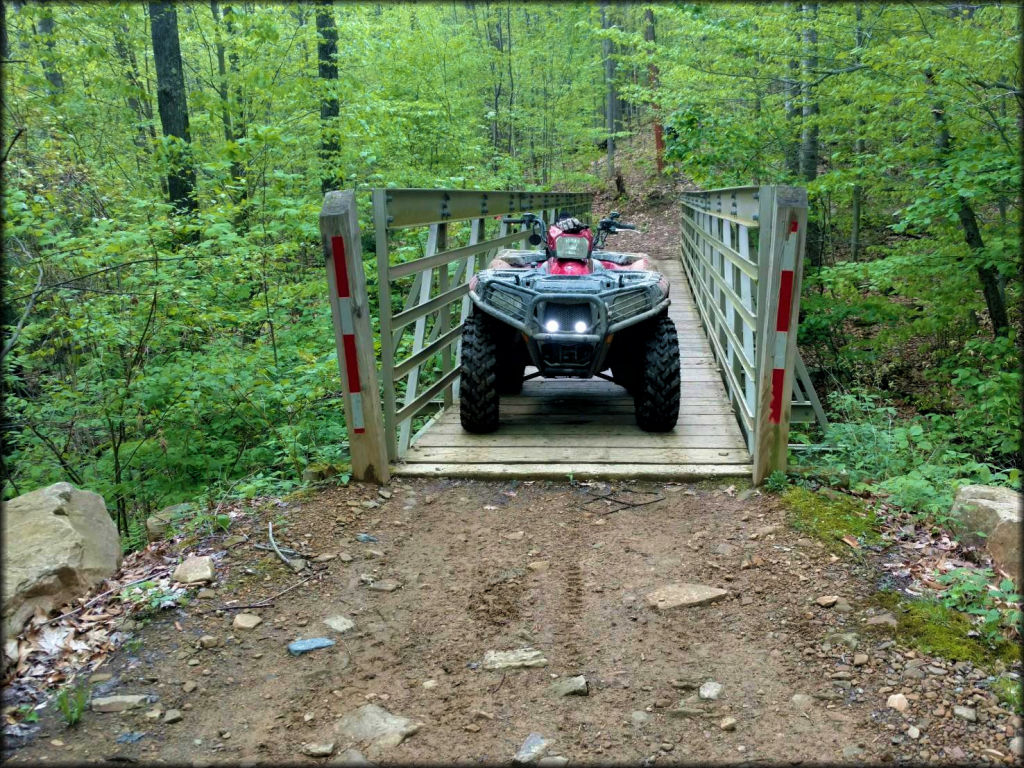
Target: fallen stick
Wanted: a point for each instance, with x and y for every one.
(264, 603)
(270, 535)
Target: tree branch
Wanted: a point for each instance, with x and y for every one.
(13, 339)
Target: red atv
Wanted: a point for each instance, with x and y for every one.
(572, 309)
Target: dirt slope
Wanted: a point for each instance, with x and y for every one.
(462, 554)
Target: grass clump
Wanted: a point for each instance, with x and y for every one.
(939, 630)
(1010, 694)
(831, 518)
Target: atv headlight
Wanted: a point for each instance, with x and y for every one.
(567, 247)
(580, 327)
(551, 326)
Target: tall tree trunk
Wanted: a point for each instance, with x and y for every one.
(858, 190)
(327, 51)
(145, 132)
(652, 74)
(991, 288)
(223, 91)
(44, 30)
(791, 88)
(173, 105)
(609, 81)
(809, 107)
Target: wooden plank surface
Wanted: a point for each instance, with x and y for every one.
(586, 428)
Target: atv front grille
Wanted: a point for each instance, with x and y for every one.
(567, 354)
(628, 304)
(509, 302)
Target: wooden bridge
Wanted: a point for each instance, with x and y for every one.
(736, 281)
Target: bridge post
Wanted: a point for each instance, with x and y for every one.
(343, 253)
(783, 222)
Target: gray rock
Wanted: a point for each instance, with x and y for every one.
(194, 570)
(553, 761)
(161, 525)
(318, 749)
(350, 757)
(59, 542)
(842, 605)
(118, 703)
(967, 713)
(339, 623)
(849, 639)
(852, 751)
(533, 747)
(710, 690)
(914, 732)
(189, 686)
(994, 512)
(898, 702)
(522, 657)
(209, 641)
(886, 619)
(375, 726)
(385, 585)
(639, 717)
(1017, 745)
(728, 724)
(246, 621)
(802, 701)
(571, 686)
(172, 716)
(683, 595)
(206, 594)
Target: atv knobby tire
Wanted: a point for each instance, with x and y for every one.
(478, 390)
(657, 396)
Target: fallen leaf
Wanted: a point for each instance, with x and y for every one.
(177, 626)
(852, 541)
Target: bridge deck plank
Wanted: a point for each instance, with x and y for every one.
(586, 428)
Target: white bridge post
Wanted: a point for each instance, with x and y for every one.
(343, 252)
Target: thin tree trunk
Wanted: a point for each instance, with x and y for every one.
(652, 74)
(173, 105)
(858, 191)
(609, 81)
(995, 298)
(809, 107)
(44, 30)
(327, 51)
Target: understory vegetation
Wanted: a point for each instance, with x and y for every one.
(166, 332)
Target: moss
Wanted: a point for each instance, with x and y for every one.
(1009, 693)
(933, 628)
(830, 518)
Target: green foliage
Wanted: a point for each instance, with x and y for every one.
(915, 461)
(970, 590)
(150, 597)
(776, 482)
(831, 518)
(937, 629)
(26, 713)
(72, 701)
(1009, 692)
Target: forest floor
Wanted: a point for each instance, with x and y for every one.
(482, 566)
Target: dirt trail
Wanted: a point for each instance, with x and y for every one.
(571, 585)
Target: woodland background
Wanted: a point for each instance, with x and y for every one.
(166, 334)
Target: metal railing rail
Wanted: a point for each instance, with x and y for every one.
(742, 250)
(429, 368)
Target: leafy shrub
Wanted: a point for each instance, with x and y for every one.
(72, 701)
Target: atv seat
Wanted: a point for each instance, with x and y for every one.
(508, 258)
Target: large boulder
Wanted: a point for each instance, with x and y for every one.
(995, 514)
(58, 543)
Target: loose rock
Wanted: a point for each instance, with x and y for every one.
(571, 686)
(710, 690)
(194, 570)
(118, 703)
(914, 732)
(967, 713)
(299, 647)
(802, 701)
(385, 585)
(683, 595)
(189, 686)
(728, 724)
(522, 657)
(172, 716)
(376, 726)
(246, 621)
(209, 641)
(339, 623)
(531, 749)
(827, 601)
(313, 749)
(898, 702)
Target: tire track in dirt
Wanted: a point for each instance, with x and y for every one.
(572, 615)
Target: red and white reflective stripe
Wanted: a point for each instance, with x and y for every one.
(348, 337)
(786, 279)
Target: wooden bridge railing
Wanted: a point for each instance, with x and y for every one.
(421, 372)
(743, 252)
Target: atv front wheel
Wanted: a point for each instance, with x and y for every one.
(511, 367)
(657, 397)
(478, 390)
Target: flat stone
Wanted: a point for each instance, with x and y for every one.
(1017, 745)
(209, 641)
(860, 659)
(514, 536)
(345, 557)
(533, 747)
(429, 684)
(538, 565)
(99, 677)
(914, 732)
(967, 713)
(639, 717)
(728, 724)
(206, 594)
(802, 701)
(522, 657)
(995, 513)
(898, 702)
(886, 619)
(375, 726)
(710, 690)
(571, 686)
(299, 647)
(118, 703)
(318, 749)
(350, 757)
(234, 540)
(842, 605)
(339, 623)
(553, 761)
(246, 621)
(194, 570)
(683, 595)
(189, 686)
(172, 716)
(385, 585)
(827, 601)
(326, 557)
